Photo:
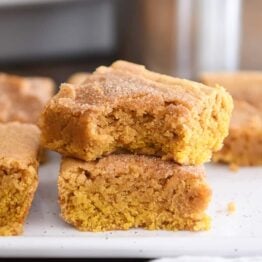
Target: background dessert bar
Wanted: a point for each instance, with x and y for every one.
(23, 98)
(18, 174)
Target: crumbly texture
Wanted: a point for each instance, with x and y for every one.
(18, 174)
(243, 85)
(125, 191)
(78, 78)
(23, 98)
(126, 107)
(243, 147)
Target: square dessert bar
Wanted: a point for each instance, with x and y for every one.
(243, 85)
(125, 191)
(78, 78)
(126, 107)
(23, 98)
(243, 146)
(18, 174)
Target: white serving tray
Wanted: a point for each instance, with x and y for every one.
(239, 234)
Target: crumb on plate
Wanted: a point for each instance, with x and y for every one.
(231, 208)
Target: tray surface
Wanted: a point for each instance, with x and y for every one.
(46, 235)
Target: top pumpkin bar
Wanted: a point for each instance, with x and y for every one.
(23, 98)
(126, 107)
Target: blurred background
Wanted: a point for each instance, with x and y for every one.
(179, 37)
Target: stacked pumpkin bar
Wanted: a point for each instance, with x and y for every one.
(21, 100)
(133, 142)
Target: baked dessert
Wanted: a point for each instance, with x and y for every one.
(126, 107)
(243, 85)
(18, 174)
(23, 98)
(125, 191)
(77, 78)
(243, 146)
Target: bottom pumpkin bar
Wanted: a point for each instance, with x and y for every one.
(124, 191)
(19, 148)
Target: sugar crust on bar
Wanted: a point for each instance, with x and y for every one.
(128, 107)
(119, 192)
(19, 149)
(23, 98)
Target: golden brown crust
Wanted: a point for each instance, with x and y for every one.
(124, 80)
(128, 107)
(23, 98)
(125, 191)
(121, 162)
(19, 149)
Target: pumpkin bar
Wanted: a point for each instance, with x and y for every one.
(243, 85)
(126, 107)
(77, 78)
(23, 98)
(243, 147)
(18, 174)
(125, 191)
